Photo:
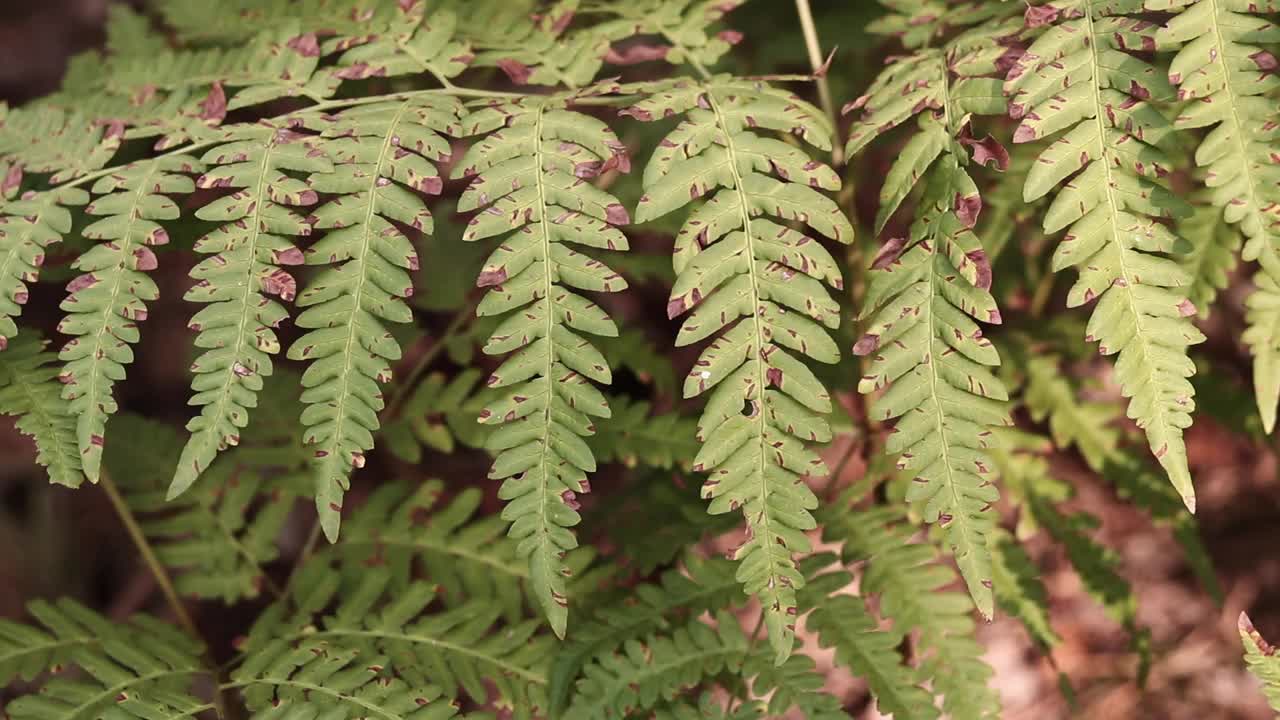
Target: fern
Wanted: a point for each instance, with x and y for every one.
(1019, 590)
(433, 416)
(1078, 77)
(931, 286)
(139, 670)
(1260, 657)
(530, 172)
(1212, 258)
(380, 154)
(1089, 426)
(236, 329)
(28, 391)
(108, 300)
(734, 260)
(633, 435)
(1226, 74)
(28, 226)
(459, 651)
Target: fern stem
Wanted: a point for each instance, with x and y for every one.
(308, 549)
(148, 555)
(812, 44)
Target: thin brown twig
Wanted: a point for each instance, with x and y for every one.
(814, 48)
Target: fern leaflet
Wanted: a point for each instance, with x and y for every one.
(29, 391)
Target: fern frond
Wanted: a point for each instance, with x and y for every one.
(685, 24)
(658, 668)
(531, 171)
(708, 707)
(381, 154)
(1263, 339)
(65, 145)
(1078, 77)
(908, 579)
(461, 651)
(409, 528)
(140, 670)
(28, 226)
(932, 289)
(414, 43)
(740, 270)
(216, 540)
(29, 391)
(1214, 244)
(1225, 71)
(108, 299)
(843, 623)
(532, 42)
(916, 23)
(1019, 590)
(247, 252)
(1089, 426)
(429, 417)
(633, 437)
(795, 685)
(706, 585)
(232, 21)
(1260, 657)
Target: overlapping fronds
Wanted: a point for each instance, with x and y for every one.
(1226, 73)
(1019, 590)
(217, 539)
(466, 650)
(908, 579)
(413, 42)
(429, 417)
(929, 290)
(531, 171)
(1260, 656)
(1088, 425)
(705, 585)
(139, 670)
(63, 144)
(795, 686)
(381, 153)
(757, 285)
(236, 328)
(107, 301)
(633, 435)
(1079, 77)
(658, 668)
(1214, 244)
(30, 391)
(918, 23)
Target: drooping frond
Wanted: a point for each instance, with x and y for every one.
(531, 171)
(1088, 425)
(757, 285)
(28, 226)
(381, 153)
(140, 670)
(706, 585)
(466, 650)
(1260, 656)
(217, 539)
(708, 707)
(236, 328)
(64, 145)
(30, 391)
(437, 408)
(658, 668)
(413, 43)
(918, 23)
(795, 686)
(1228, 76)
(929, 291)
(1079, 77)
(231, 21)
(108, 299)
(908, 579)
(1263, 338)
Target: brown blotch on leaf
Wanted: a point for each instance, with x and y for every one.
(305, 45)
(517, 71)
(490, 277)
(967, 209)
(889, 253)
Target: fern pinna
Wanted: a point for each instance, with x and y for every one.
(307, 172)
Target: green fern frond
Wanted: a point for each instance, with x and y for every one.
(738, 267)
(1089, 426)
(1260, 656)
(932, 288)
(236, 326)
(409, 528)
(658, 668)
(708, 707)
(108, 299)
(140, 670)
(1263, 339)
(1214, 244)
(530, 183)
(795, 685)
(28, 226)
(437, 408)
(908, 579)
(64, 145)
(634, 436)
(414, 43)
(1019, 590)
(232, 21)
(705, 585)
(843, 624)
(532, 42)
(29, 390)
(460, 651)
(1078, 77)
(216, 540)
(381, 154)
(917, 23)
(1225, 71)
(684, 28)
